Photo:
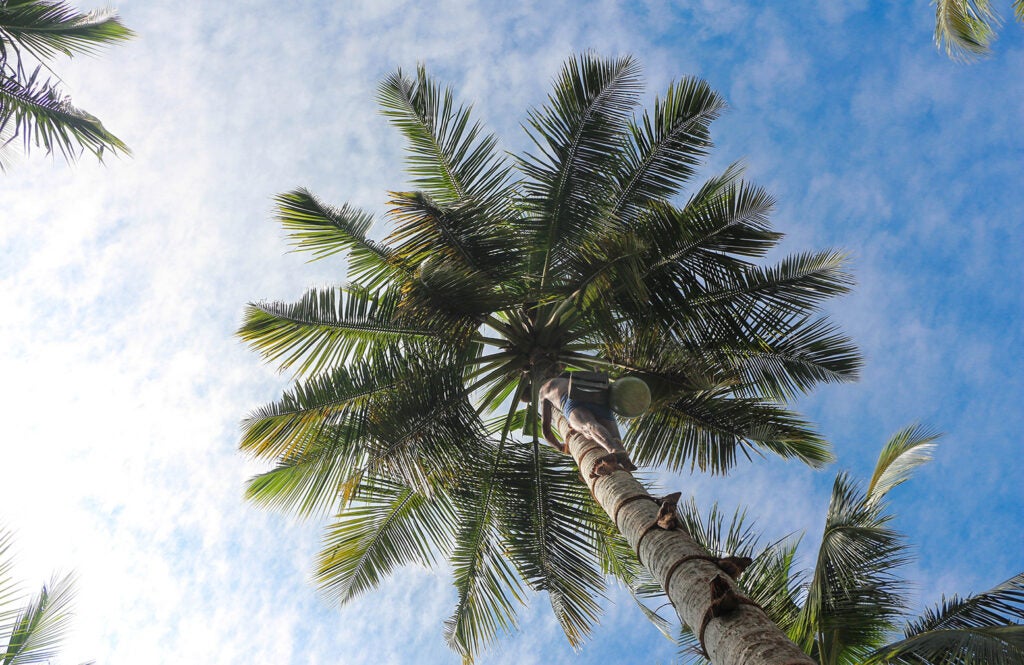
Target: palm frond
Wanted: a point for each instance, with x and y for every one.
(388, 525)
(772, 583)
(792, 357)
(605, 269)
(488, 587)
(415, 426)
(401, 419)
(683, 250)
(42, 625)
(329, 327)
(1002, 604)
(322, 473)
(578, 135)
(984, 628)
(798, 283)
(965, 28)
(9, 589)
(707, 430)
(445, 294)
(423, 429)
(35, 111)
(905, 451)
(476, 235)
(725, 217)
(45, 28)
(449, 158)
(666, 147)
(615, 556)
(738, 538)
(997, 645)
(338, 398)
(324, 230)
(854, 595)
(550, 541)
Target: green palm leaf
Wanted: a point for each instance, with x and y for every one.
(550, 541)
(322, 473)
(386, 526)
(45, 28)
(905, 451)
(9, 592)
(794, 357)
(708, 429)
(489, 588)
(33, 108)
(329, 327)
(37, 112)
(965, 28)
(798, 283)
(578, 135)
(337, 398)
(449, 158)
(772, 582)
(324, 230)
(42, 625)
(665, 148)
(854, 595)
(984, 628)
(466, 232)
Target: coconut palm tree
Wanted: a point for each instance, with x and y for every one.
(33, 109)
(32, 632)
(846, 611)
(966, 28)
(413, 415)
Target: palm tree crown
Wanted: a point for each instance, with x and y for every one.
(32, 106)
(413, 416)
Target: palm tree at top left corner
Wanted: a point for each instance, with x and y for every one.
(35, 112)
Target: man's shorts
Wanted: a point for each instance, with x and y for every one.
(600, 411)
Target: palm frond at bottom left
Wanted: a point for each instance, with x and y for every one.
(41, 626)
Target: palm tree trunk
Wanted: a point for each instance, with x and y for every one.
(742, 636)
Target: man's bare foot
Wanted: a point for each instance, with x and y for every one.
(623, 459)
(610, 463)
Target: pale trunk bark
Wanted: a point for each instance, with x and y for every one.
(745, 636)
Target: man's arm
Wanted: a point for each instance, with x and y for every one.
(545, 424)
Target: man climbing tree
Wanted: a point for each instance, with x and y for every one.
(592, 419)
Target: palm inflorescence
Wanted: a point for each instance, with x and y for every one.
(411, 419)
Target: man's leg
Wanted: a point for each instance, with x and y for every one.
(605, 433)
(585, 423)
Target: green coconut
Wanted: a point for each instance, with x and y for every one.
(629, 397)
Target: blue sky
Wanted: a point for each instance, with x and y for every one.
(121, 286)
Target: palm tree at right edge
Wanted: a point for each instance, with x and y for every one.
(846, 610)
